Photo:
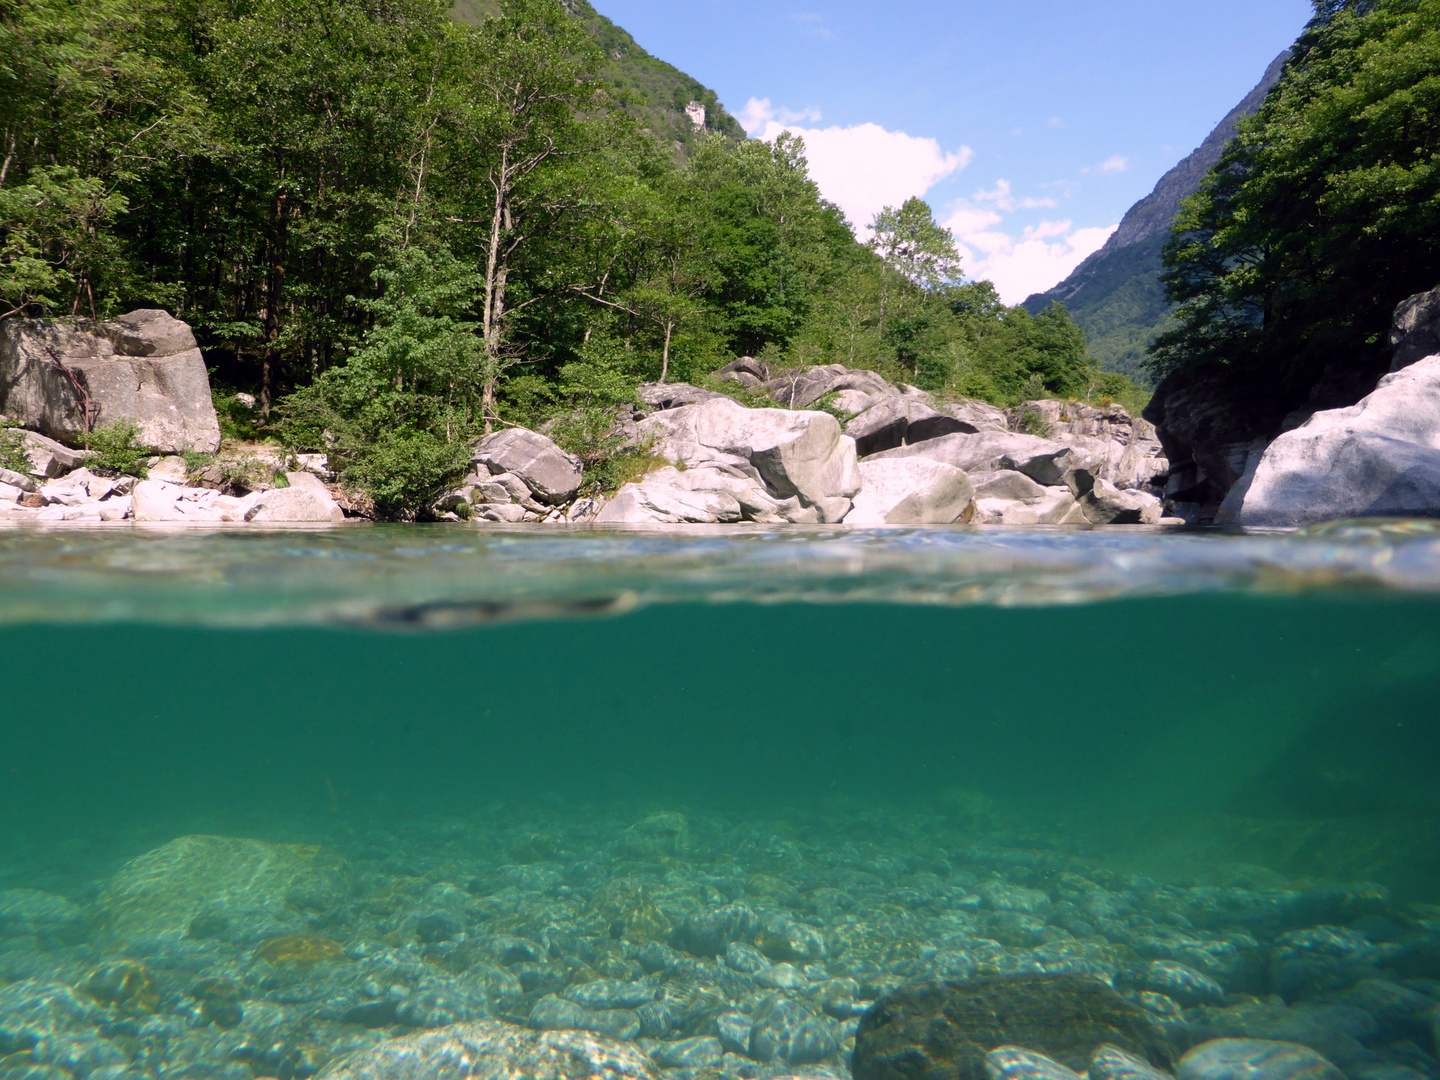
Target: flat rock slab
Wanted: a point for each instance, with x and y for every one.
(943, 1030)
(489, 1050)
(1043, 460)
(161, 891)
(1254, 1059)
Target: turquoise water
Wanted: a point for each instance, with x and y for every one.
(1253, 712)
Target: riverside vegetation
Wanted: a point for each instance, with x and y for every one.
(401, 229)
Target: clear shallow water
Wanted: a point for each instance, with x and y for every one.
(498, 712)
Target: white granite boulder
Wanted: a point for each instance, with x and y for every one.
(1380, 457)
(911, 491)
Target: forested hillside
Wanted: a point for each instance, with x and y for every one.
(655, 93)
(398, 229)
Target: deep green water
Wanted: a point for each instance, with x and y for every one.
(1161, 703)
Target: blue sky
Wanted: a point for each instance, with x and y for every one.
(1030, 125)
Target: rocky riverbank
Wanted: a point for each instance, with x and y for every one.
(826, 445)
(838, 446)
(593, 943)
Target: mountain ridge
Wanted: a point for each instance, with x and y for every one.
(1115, 295)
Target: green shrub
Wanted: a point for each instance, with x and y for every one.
(115, 448)
(1031, 422)
(404, 473)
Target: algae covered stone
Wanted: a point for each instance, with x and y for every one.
(943, 1030)
(223, 879)
(489, 1050)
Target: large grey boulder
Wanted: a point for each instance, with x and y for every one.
(1043, 460)
(898, 420)
(911, 491)
(1415, 330)
(144, 367)
(978, 415)
(657, 397)
(793, 454)
(1114, 445)
(158, 502)
(1380, 457)
(553, 475)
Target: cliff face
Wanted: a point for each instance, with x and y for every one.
(1115, 295)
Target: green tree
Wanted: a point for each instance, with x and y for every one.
(525, 126)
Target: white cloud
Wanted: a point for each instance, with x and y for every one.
(863, 168)
(1116, 164)
(1004, 200)
(1043, 255)
(759, 111)
(813, 26)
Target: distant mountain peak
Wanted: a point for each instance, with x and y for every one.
(1115, 294)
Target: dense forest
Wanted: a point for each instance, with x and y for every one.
(1322, 215)
(398, 228)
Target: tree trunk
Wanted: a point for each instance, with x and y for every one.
(274, 296)
(495, 277)
(665, 356)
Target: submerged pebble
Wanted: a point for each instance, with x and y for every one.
(699, 947)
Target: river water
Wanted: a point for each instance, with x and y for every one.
(1023, 748)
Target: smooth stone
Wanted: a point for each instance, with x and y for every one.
(308, 503)
(1183, 983)
(1254, 1059)
(553, 1013)
(1043, 460)
(1015, 1063)
(693, 1053)
(786, 1030)
(489, 1050)
(1007, 484)
(17, 480)
(795, 454)
(781, 977)
(1111, 1063)
(163, 890)
(708, 931)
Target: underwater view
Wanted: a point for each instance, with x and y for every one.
(275, 802)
